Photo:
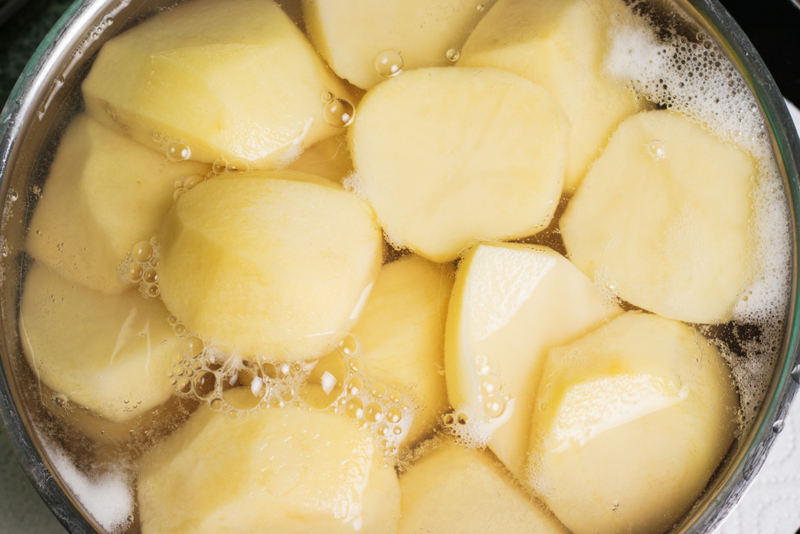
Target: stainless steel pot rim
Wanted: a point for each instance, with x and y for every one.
(80, 20)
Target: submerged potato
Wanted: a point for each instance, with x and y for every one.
(296, 471)
(330, 158)
(456, 491)
(631, 422)
(663, 218)
(448, 157)
(361, 40)
(108, 353)
(561, 46)
(104, 194)
(511, 304)
(275, 263)
(401, 336)
(184, 78)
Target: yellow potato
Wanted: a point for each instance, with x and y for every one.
(458, 491)
(352, 35)
(686, 256)
(401, 336)
(227, 80)
(471, 155)
(631, 422)
(289, 470)
(511, 304)
(103, 195)
(561, 46)
(108, 353)
(269, 263)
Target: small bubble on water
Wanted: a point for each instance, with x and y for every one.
(354, 408)
(397, 430)
(490, 385)
(394, 415)
(184, 384)
(204, 384)
(373, 412)
(326, 97)
(178, 152)
(157, 136)
(135, 272)
(12, 195)
(462, 419)
(155, 241)
(150, 276)
(191, 181)
(394, 395)
(216, 404)
(238, 165)
(60, 400)
(389, 63)
(453, 54)
(339, 112)
(142, 251)
(179, 330)
(449, 419)
(172, 320)
(656, 149)
(483, 365)
(378, 390)
(494, 405)
(193, 347)
(219, 166)
(355, 386)
(153, 291)
(777, 426)
(795, 374)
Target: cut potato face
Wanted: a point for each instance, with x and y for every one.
(295, 470)
(185, 83)
(631, 422)
(458, 491)
(471, 155)
(104, 194)
(401, 336)
(511, 304)
(368, 42)
(561, 46)
(107, 353)
(686, 257)
(275, 264)
(330, 158)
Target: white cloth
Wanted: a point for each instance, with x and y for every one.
(772, 503)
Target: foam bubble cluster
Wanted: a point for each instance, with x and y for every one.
(693, 77)
(140, 267)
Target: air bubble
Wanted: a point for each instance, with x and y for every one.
(481, 7)
(193, 347)
(339, 112)
(462, 419)
(179, 330)
(394, 415)
(142, 251)
(397, 430)
(219, 166)
(494, 406)
(373, 413)
(172, 320)
(355, 386)
(389, 63)
(453, 54)
(155, 241)
(135, 272)
(382, 430)
(490, 385)
(777, 426)
(177, 370)
(356, 365)
(238, 165)
(348, 345)
(656, 149)
(394, 395)
(157, 136)
(178, 152)
(150, 276)
(153, 291)
(191, 181)
(354, 408)
(326, 97)
(449, 419)
(184, 384)
(216, 404)
(483, 365)
(61, 400)
(378, 390)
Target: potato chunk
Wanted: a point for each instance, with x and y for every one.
(227, 80)
(453, 490)
(104, 194)
(108, 353)
(561, 46)
(663, 218)
(294, 470)
(401, 336)
(511, 304)
(632, 421)
(352, 34)
(471, 155)
(270, 263)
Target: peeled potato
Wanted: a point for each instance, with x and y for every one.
(108, 353)
(401, 336)
(354, 36)
(458, 491)
(104, 194)
(471, 155)
(330, 158)
(296, 471)
(511, 304)
(686, 256)
(269, 263)
(560, 45)
(227, 80)
(631, 422)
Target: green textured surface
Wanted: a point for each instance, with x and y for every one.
(20, 36)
